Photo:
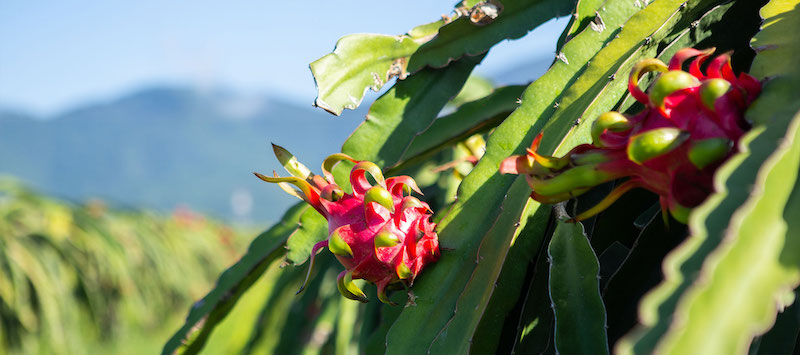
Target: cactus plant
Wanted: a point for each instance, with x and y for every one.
(714, 140)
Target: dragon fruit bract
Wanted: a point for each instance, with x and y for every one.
(691, 124)
(379, 232)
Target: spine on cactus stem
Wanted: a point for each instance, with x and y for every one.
(691, 124)
(379, 233)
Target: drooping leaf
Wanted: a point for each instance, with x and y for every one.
(771, 115)
(367, 61)
(580, 316)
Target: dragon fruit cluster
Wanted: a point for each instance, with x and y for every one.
(379, 232)
(691, 124)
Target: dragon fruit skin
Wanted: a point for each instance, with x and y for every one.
(691, 124)
(379, 233)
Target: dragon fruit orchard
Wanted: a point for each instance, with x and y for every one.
(380, 233)
(691, 123)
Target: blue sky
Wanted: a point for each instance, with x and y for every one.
(57, 55)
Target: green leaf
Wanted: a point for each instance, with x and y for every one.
(470, 118)
(375, 343)
(364, 61)
(535, 327)
(724, 217)
(505, 227)
(511, 284)
(457, 335)
(294, 321)
(484, 198)
(575, 292)
(234, 282)
(234, 332)
(345, 323)
(475, 87)
(462, 37)
(405, 111)
(367, 61)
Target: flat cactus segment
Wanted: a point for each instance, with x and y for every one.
(580, 315)
(362, 62)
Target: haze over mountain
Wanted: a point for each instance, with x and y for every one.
(164, 147)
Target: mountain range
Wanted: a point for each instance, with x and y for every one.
(166, 147)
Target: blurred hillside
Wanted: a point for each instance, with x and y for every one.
(164, 147)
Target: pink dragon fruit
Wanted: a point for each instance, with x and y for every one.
(691, 124)
(380, 233)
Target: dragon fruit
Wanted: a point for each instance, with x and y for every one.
(379, 233)
(691, 124)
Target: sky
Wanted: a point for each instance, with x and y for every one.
(60, 54)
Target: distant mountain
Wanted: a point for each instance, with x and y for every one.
(164, 147)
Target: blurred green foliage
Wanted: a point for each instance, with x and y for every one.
(83, 279)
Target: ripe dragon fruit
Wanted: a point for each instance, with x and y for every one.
(691, 124)
(380, 233)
